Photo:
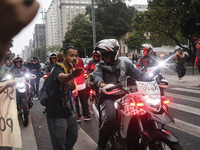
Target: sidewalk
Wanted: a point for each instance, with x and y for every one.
(188, 80)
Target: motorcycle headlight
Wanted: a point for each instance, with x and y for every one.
(27, 75)
(154, 104)
(8, 77)
(20, 85)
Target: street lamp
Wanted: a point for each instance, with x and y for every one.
(93, 24)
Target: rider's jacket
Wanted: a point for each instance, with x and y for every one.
(48, 67)
(91, 66)
(15, 71)
(146, 61)
(107, 74)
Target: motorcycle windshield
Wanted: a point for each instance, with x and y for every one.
(149, 88)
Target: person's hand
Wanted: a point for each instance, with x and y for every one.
(14, 16)
(102, 84)
(72, 86)
(11, 84)
(77, 72)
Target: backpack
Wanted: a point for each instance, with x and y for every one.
(45, 92)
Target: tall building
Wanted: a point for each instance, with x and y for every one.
(68, 10)
(39, 36)
(39, 41)
(52, 25)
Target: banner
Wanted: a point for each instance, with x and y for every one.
(10, 134)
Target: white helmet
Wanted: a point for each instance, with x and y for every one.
(109, 45)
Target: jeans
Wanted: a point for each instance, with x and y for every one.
(108, 115)
(63, 132)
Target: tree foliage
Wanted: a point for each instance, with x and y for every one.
(135, 40)
(169, 20)
(115, 17)
(81, 35)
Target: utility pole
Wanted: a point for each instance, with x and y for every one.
(93, 24)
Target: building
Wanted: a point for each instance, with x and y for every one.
(140, 7)
(68, 10)
(52, 25)
(39, 41)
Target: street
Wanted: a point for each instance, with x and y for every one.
(184, 107)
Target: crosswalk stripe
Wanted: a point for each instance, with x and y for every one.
(188, 98)
(186, 90)
(185, 108)
(186, 127)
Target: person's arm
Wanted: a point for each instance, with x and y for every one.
(98, 76)
(9, 84)
(14, 16)
(137, 74)
(195, 64)
(63, 78)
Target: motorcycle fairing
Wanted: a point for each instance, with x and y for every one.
(163, 118)
(147, 137)
(149, 88)
(21, 80)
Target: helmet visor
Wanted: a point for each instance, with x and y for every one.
(106, 54)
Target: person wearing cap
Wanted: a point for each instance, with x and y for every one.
(197, 59)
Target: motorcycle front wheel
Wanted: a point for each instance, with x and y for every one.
(24, 112)
(164, 145)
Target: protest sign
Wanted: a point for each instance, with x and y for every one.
(10, 134)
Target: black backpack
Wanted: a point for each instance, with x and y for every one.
(45, 92)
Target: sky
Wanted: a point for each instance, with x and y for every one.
(22, 39)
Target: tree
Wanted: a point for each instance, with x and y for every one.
(115, 17)
(172, 19)
(135, 40)
(80, 35)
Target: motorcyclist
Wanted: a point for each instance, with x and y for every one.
(147, 60)
(110, 50)
(91, 64)
(52, 62)
(18, 68)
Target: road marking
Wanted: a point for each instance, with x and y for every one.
(186, 127)
(84, 141)
(186, 90)
(184, 97)
(185, 108)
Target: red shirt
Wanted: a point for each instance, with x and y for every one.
(80, 80)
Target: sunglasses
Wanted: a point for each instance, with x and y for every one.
(96, 55)
(106, 54)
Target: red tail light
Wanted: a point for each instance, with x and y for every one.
(91, 92)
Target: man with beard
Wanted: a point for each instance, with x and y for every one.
(60, 109)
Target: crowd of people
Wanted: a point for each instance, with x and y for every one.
(67, 77)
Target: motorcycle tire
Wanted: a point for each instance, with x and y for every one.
(164, 145)
(24, 112)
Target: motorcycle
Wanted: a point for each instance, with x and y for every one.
(140, 118)
(24, 95)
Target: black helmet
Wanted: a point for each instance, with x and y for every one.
(18, 59)
(109, 46)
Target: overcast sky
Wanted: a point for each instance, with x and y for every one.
(22, 39)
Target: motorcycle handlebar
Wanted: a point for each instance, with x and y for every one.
(118, 86)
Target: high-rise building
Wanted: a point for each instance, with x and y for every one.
(68, 10)
(39, 36)
(52, 25)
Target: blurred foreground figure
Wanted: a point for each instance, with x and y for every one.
(14, 16)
